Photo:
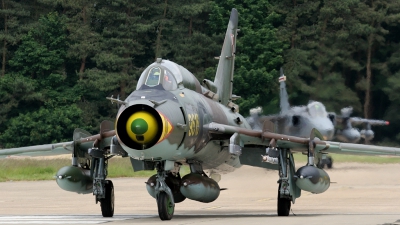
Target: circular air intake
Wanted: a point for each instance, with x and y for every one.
(139, 127)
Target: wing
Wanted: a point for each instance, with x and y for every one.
(253, 144)
(82, 140)
(257, 121)
(359, 121)
(40, 150)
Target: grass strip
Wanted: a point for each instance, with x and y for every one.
(33, 169)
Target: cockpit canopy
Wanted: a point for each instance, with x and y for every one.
(168, 75)
(317, 109)
(158, 75)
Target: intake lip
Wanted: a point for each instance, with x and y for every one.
(140, 143)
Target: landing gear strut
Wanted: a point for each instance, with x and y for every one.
(103, 189)
(287, 191)
(164, 196)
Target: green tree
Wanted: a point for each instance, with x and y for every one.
(13, 14)
(40, 63)
(123, 33)
(187, 38)
(314, 33)
(42, 126)
(372, 16)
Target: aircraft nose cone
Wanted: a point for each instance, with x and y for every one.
(139, 126)
(325, 127)
(142, 127)
(327, 134)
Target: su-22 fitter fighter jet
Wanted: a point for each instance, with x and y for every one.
(171, 120)
(300, 120)
(297, 120)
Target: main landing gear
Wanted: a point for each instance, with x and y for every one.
(325, 160)
(287, 190)
(283, 204)
(103, 189)
(107, 203)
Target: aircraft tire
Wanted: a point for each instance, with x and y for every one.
(321, 164)
(329, 162)
(107, 203)
(165, 206)
(283, 205)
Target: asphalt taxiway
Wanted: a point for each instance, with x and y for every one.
(360, 194)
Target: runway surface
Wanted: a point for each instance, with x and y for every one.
(360, 194)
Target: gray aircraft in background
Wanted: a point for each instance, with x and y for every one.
(300, 120)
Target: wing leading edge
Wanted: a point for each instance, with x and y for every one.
(40, 150)
(82, 140)
(265, 138)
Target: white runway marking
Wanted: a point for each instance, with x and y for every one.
(89, 219)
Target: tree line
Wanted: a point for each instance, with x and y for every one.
(60, 59)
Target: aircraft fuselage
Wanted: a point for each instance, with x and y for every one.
(181, 119)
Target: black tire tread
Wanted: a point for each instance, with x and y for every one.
(283, 205)
(162, 202)
(107, 204)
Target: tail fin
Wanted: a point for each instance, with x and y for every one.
(224, 76)
(284, 99)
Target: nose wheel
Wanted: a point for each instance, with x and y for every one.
(166, 207)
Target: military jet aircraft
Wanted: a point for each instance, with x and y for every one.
(297, 120)
(300, 120)
(172, 120)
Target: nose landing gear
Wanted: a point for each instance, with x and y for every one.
(164, 195)
(165, 206)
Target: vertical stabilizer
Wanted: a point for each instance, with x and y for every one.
(224, 76)
(284, 99)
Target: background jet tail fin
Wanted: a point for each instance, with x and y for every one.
(224, 75)
(283, 96)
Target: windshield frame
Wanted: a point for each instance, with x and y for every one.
(316, 109)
